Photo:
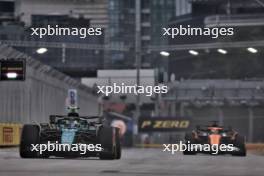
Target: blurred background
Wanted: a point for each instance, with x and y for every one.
(209, 79)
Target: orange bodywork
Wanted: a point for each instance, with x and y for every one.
(215, 139)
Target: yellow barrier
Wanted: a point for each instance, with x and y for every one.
(256, 147)
(10, 134)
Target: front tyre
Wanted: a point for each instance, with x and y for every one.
(29, 136)
(189, 137)
(240, 144)
(118, 145)
(107, 139)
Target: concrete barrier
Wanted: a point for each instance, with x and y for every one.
(10, 134)
(249, 146)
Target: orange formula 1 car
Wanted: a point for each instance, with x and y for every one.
(215, 139)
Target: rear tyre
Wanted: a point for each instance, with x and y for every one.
(240, 144)
(29, 136)
(107, 140)
(189, 137)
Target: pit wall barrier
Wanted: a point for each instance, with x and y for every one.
(10, 134)
(250, 146)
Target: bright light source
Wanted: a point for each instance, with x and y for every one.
(222, 51)
(11, 75)
(193, 52)
(42, 50)
(252, 50)
(164, 53)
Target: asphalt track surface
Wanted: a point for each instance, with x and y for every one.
(135, 162)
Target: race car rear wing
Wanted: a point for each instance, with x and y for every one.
(54, 118)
